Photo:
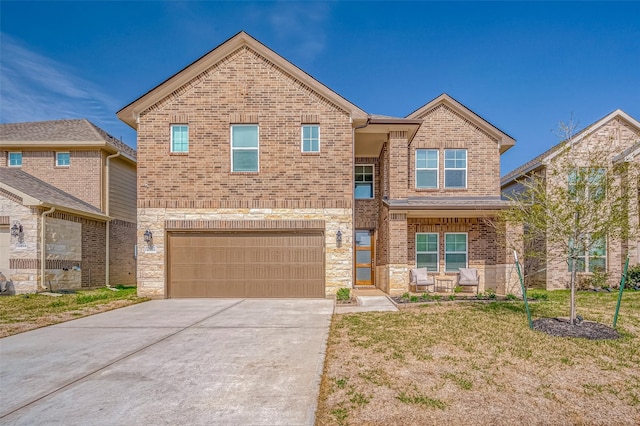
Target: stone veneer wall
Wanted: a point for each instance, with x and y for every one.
(63, 241)
(151, 266)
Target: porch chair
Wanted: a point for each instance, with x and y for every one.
(420, 278)
(469, 277)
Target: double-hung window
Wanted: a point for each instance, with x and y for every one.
(179, 138)
(15, 159)
(587, 184)
(310, 138)
(455, 251)
(455, 168)
(591, 260)
(63, 159)
(364, 181)
(426, 168)
(244, 148)
(427, 251)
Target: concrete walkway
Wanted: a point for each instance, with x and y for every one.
(174, 362)
(367, 300)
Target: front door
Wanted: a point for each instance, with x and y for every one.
(364, 255)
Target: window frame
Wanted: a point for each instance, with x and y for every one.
(310, 139)
(466, 168)
(172, 144)
(594, 187)
(256, 148)
(437, 252)
(58, 159)
(9, 158)
(584, 257)
(373, 182)
(436, 169)
(446, 252)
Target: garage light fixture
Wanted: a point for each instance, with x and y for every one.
(148, 237)
(17, 231)
(339, 238)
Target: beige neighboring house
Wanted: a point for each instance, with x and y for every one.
(256, 180)
(620, 134)
(75, 184)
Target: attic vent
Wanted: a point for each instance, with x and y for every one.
(310, 119)
(243, 118)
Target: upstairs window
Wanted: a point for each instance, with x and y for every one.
(63, 159)
(179, 138)
(364, 182)
(587, 183)
(426, 168)
(310, 138)
(244, 148)
(15, 159)
(427, 251)
(455, 168)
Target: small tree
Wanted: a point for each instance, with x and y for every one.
(574, 204)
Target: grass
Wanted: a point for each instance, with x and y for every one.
(479, 363)
(26, 312)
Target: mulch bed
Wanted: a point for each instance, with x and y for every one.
(586, 329)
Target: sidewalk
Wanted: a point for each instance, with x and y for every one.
(367, 301)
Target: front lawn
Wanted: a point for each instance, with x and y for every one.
(479, 364)
(26, 312)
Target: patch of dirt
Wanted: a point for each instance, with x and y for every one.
(562, 327)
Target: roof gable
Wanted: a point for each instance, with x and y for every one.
(176, 83)
(504, 140)
(555, 150)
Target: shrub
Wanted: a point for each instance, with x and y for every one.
(511, 296)
(536, 295)
(633, 276)
(343, 294)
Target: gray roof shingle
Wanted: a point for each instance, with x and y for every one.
(46, 193)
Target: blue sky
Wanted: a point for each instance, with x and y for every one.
(522, 66)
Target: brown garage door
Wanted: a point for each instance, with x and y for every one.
(246, 264)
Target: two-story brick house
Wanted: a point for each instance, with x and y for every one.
(616, 137)
(88, 178)
(256, 180)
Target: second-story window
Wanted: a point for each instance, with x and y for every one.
(179, 138)
(426, 168)
(364, 181)
(244, 148)
(455, 168)
(63, 159)
(15, 159)
(310, 138)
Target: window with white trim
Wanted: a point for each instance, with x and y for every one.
(63, 159)
(427, 251)
(455, 251)
(587, 183)
(310, 138)
(426, 168)
(15, 159)
(592, 260)
(244, 148)
(455, 168)
(179, 138)
(364, 181)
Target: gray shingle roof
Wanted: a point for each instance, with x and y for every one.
(447, 203)
(46, 193)
(76, 130)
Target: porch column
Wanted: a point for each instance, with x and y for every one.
(398, 266)
(507, 280)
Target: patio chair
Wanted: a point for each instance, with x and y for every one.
(469, 277)
(420, 278)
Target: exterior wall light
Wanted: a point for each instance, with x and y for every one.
(339, 238)
(148, 237)
(17, 231)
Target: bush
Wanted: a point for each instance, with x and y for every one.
(633, 276)
(343, 294)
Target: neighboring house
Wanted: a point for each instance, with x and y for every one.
(618, 134)
(89, 178)
(256, 180)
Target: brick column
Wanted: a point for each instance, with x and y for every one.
(398, 164)
(398, 281)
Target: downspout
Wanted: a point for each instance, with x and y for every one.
(43, 246)
(106, 211)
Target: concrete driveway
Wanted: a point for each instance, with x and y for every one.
(174, 362)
